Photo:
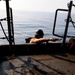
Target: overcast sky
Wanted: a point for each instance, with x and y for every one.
(37, 5)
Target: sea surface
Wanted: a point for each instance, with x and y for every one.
(27, 22)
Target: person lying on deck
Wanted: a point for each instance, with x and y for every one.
(39, 37)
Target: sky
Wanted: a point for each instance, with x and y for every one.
(37, 5)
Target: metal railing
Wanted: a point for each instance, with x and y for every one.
(67, 21)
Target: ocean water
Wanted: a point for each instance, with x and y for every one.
(27, 22)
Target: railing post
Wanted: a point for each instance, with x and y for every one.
(67, 22)
(8, 23)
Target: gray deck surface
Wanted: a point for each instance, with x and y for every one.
(56, 64)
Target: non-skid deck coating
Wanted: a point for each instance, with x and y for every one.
(56, 64)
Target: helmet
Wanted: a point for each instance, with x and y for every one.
(39, 33)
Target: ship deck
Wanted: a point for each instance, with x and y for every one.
(44, 64)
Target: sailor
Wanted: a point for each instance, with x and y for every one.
(38, 38)
(71, 45)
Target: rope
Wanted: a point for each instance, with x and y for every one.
(4, 31)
